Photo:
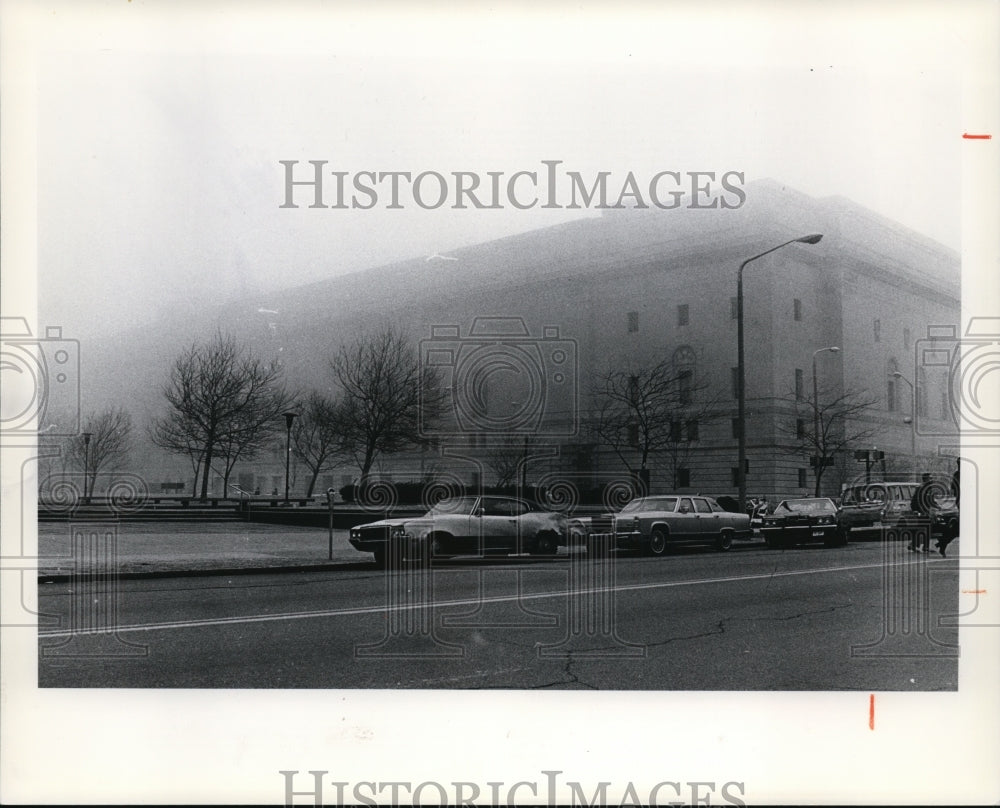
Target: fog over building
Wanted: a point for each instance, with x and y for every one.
(628, 288)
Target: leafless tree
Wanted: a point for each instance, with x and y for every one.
(222, 403)
(844, 420)
(317, 434)
(506, 456)
(110, 440)
(385, 395)
(643, 411)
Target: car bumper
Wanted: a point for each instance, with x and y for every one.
(801, 532)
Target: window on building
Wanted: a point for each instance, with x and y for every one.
(877, 329)
(797, 308)
(735, 422)
(800, 428)
(675, 432)
(734, 476)
(633, 322)
(633, 434)
(692, 427)
(890, 395)
(633, 389)
(802, 478)
(683, 478)
(945, 405)
(734, 381)
(799, 385)
(682, 314)
(906, 339)
(684, 379)
(734, 308)
(921, 393)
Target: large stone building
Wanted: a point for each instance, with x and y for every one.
(630, 288)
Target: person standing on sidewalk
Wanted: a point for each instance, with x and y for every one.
(923, 501)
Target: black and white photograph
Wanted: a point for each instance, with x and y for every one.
(554, 404)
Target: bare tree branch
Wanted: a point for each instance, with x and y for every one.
(110, 433)
(221, 402)
(843, 422)
(381, 379)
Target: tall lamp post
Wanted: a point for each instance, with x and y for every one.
(289, 417)
(816, 434)
(913, 415)
(86, 462)
(741, 415)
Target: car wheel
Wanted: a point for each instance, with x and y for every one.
(657, 545)
(380, 558)
(545, 544)
(725, 541)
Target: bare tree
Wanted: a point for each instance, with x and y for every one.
(318, 434)
(104, 442)
(222, 403)
(381, 379)
(507, 456)
(843, 420)
(643, 411)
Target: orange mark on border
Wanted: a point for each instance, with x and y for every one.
(871, 711)
(967, 136)
(973, 591)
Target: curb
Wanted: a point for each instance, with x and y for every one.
(132, 575)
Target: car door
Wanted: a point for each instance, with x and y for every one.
(685, 520)
(498, 523)
(706, 522)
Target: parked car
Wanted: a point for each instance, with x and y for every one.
(871, 511)
(656, 523)
(807, 519)
(943, 521)
(468, 525)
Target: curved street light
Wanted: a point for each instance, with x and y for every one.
(816, 435)
(741, 473)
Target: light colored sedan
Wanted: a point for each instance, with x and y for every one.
(654, 524)
(469, 525)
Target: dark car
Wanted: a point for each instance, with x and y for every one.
(871, 511)
(941, 522)
(796, 521)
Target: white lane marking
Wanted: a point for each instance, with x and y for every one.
(267, 618)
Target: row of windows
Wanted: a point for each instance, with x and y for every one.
(684, 314)
(877, 334)
(683, 477)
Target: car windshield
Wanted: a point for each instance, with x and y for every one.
(461, 506)
(651, 504)
(807, 506)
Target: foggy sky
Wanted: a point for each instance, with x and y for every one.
(158, 149)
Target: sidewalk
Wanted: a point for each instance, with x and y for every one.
(140, 549)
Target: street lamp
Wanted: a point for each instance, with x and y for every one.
(741, 416)
(289, 417)
(86, 461)
(913, 415)
(816, 435)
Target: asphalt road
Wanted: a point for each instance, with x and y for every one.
(864, 617)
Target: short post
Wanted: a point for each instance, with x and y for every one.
(329, 502)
